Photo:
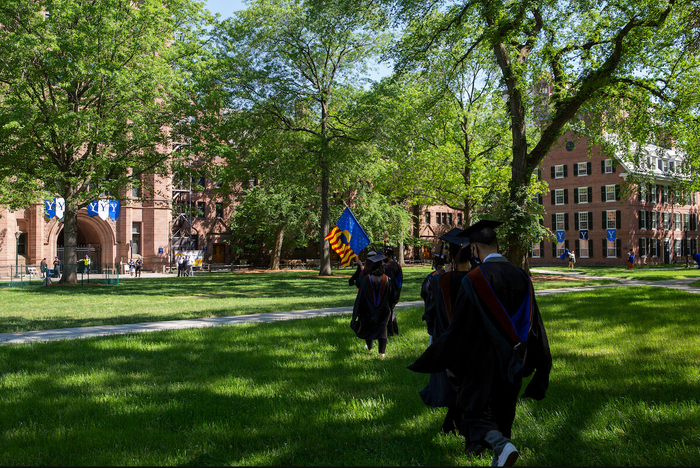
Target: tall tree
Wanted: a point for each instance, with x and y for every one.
(296, 63)
(85, 93)
(594, 60)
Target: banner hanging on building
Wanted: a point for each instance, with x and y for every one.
(104, 209)
(612, 234)
(560, 236)
(54, 208)
(347, 238)
(583, 234)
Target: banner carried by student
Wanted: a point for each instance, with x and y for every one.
(347, 238)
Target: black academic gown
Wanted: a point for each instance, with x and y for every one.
(371, 311)
(476, 348)
(393, 271)
(427, 293)
(357, 277)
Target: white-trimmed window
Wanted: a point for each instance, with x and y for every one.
(654, 220)
(677, 221)
(643, 247)
(612, 220)
(536, 252)
(686, 222)
(677, 247)
(654, 198)
(583, 195)
(583, 249)
(582, 221)
(561, 248)
(654, 247)
(608, 166)
(559, 172)
(609, 193)
(666, 219)
(665, 193)
(612, 249)
(582, 169)
(643, 193)
(559, 197)
(560, 222)
(643, 222)
(671, 165)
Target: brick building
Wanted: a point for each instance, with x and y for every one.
(590, 195)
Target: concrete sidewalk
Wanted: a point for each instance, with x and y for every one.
(104, 330)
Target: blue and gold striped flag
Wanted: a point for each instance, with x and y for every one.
(347, 238)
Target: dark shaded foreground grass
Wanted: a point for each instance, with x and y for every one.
(624, 391)
(160, 299)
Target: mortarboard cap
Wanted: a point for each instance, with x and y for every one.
(453, 237)
(482, 232)
(377, 258)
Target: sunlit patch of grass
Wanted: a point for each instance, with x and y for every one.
(644, 273)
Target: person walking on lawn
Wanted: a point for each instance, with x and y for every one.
(495, 339)
(371, 311)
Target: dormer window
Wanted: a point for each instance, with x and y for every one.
(671, 165)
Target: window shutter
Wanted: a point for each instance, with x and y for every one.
(566, 243)
(539, 174)
(565, 174)
(649, 220)
(614, 166)
(602, 166)
(694, 246)
(639, 215)
(588, 168)
(693, 221)
(575, 196)
(617, 192)
(605, 219)
(566, 221)
(553, 199)
(576, 222)
(552, 172)
(554, 249)
(542, 249)
(529, 253)
(618, 219)
(590, 194)
(566, 196)
(578, 248)
(618, 248)
(648, 247)
(605, 248)
(590, 220)
(602, 193)
(554, 222)
(539, 199)
(642, 244)
(575, 170)
(590, 248)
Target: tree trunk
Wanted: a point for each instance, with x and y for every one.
(325, 223)
(70, 243)
(277, 248)
(399, 255)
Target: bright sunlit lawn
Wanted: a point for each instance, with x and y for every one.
(646, 273)
(171, 298)
(624, 391)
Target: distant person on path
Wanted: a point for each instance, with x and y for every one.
(139, 265)
(572, 260)
(495, 339)
(86, 265)
(181, 265)
(132, 267)
(371, 311)
(190, 265)
(43, 267)
(56, 267)
(630, 260)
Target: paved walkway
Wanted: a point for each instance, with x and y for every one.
(103, 330)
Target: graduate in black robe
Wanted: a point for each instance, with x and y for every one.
(360, 272)
(495, 338)
(427, 294)
(371, 311)
(393, 270)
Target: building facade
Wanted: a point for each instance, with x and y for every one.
(602, 217)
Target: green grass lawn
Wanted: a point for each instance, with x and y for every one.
(647, 273)
(624, 391)
(172, 298)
